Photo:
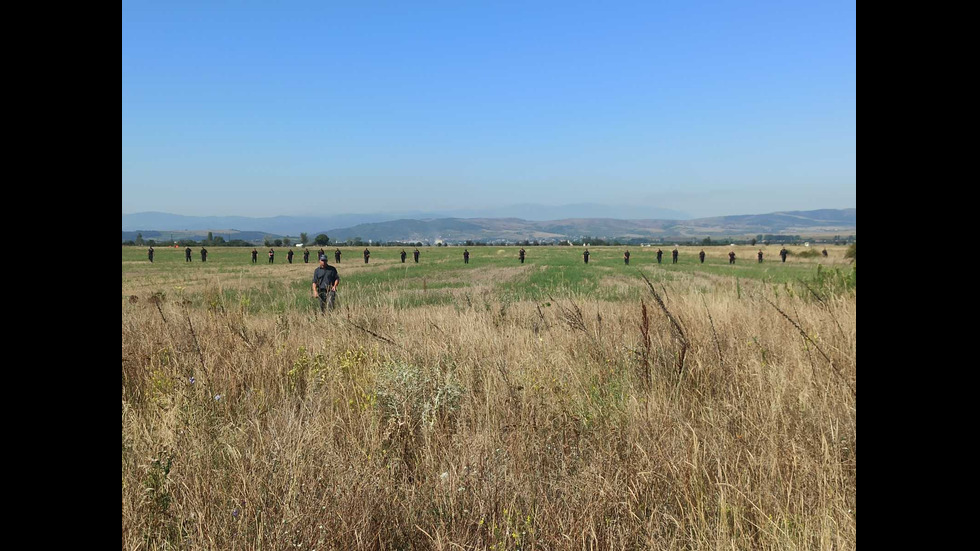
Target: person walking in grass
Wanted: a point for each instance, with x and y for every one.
(673, 255)
(521, 254)
(187, 254)
(782, 253)
(255, 256)
(204, 254)
(416, 255)
(466, 256)
(824, 252)
(367, 255)
(289, 256)
(306, 256)
(731, 257)
(272, 256)
(336, 256)
(325, 281)
(660, 255)
(626, 257)
(760, 256)
(149, 254)
(701, 256)
(585, 255)
(403, 254)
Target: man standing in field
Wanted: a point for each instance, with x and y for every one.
(255, 256)
(782, 253)
(204, 254)
(367, 255)
(823, 251)
(521, 253)
(626, 257)
(289, 256)
(466, 256)
(149, 254)
(416, 255)
(272, 256)
(306, 256)
(585, 255)
(673, 255)
(660, 255)
(325, 280)
(403, 255)
(187, 254)
(760, 256)
(336, 255)
(701, 256)
(731, 257)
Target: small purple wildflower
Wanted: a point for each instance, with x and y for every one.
(217, 396)
(191, 380)
(234, 513)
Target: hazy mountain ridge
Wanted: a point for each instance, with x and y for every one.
(838, 221)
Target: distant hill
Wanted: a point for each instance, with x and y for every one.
(824, 221)
(842, 221)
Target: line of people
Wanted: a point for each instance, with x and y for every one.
(522, 254)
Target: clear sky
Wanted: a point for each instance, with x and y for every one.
(257, 108)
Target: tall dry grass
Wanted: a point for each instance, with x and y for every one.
(480, 425)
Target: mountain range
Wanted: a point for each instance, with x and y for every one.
(381, 227)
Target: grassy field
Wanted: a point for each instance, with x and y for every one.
(490, 405)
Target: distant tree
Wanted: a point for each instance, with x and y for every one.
(304, 238)
(277, 242)
(285, 241)
(139, 238)
(219, 240)
(706, 241)
(267, 242)
(210, 238)
(321, 240)
(151, 242)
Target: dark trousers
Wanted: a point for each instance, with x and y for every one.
(270, 259)
(336, 258)
(416, 259)
(522, 260)
(328, 299)
(187, 258)
(627, 261)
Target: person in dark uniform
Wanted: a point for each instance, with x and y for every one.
(319, 254)
(701, 256)
(336, 255)
(272, 256)
(306, 256)
(660, 255)
(204, 254)
(521, 253)
(626, 257)
(416, 255)
(403, 255)
(585, 255)
(187, 254)
(367, 255)
(782, 253)
(673, 256)
(823, 251)
(325, 280)
(760, 256)
(149, 254)
(289, 256)
(731, 257)
(466, 256)
(255, 256)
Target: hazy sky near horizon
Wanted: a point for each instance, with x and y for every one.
(260, 109)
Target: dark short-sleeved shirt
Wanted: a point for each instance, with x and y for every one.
(324, 278)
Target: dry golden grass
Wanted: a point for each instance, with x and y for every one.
(481, 425)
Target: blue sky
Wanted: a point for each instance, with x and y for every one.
(292, 108)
